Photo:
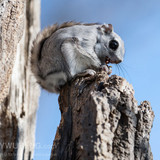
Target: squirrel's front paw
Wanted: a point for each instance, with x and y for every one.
(106, 68)
(87, 72)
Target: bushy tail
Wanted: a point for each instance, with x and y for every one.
(37, 46)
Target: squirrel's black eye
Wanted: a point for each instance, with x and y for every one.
(113, 44)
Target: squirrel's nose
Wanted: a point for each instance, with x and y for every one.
(113, 44)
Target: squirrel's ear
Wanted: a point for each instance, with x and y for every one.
(107, 28)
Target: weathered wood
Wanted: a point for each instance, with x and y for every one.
(100, 120)
(19, 23)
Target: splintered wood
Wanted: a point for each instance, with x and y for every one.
(100, 120)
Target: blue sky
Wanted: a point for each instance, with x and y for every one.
(138, 23)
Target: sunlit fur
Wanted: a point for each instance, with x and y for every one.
(62, 51)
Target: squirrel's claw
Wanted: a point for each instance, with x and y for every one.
(106, 68)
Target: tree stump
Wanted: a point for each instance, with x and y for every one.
(100, 120)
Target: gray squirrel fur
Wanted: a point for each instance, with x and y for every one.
(61, 52)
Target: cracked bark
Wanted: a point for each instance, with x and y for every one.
(100, 120)
(19, 23)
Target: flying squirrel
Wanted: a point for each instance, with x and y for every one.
(61, 52)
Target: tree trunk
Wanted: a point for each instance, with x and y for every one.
(19, 23)
(100, 120)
